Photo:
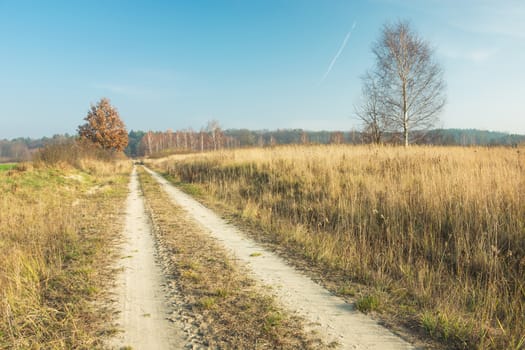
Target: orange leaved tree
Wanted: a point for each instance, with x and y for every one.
(104, 127)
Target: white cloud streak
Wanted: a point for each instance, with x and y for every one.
(341, 48)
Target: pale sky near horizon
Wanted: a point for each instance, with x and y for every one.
(258, 64)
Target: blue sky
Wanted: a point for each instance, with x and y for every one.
(246, 63)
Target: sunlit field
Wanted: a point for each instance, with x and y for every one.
(437, 233)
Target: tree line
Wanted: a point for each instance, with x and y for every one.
(21, 149)
(184, 141)
(213, 137)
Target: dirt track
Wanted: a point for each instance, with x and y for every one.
(143, 303)
(141, 299)
(336, 320)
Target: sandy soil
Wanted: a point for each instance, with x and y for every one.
(142, 300)
(336, 320)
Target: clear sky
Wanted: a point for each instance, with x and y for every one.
(246, 63)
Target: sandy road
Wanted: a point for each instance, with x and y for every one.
(333, 318)
(143, 310)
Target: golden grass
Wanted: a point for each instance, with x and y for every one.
(439, 230)
(54, 243)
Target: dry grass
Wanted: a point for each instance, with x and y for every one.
(437, 234)
(232, 312)
(54, 237)
(81, 154)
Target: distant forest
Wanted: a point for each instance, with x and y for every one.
(162, 143)
(183, 141)
(21, 149)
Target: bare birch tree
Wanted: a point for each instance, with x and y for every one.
(214, 129)
(407, 79)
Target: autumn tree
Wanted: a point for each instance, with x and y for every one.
(407, 80)
(104, 127)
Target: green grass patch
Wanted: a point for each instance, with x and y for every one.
(207, 303)
(368, 303)
(441, 326)
(221, 293)
(272, 320)
(346, 291)
(190, 189)
(7, 166)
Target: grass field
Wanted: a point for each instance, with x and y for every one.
(430, 235)
(55, 234)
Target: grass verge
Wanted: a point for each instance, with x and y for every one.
(233, 312)
(54, 237)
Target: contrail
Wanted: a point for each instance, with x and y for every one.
(339, 52)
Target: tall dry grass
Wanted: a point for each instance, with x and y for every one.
(54, 236)
(441, 231)
(81, 154)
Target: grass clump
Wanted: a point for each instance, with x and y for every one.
(434, 228)
(273, 319)
(206, 302)
(368, 303)
(442, 326)
(346, 291)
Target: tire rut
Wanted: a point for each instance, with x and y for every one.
(142, 305)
